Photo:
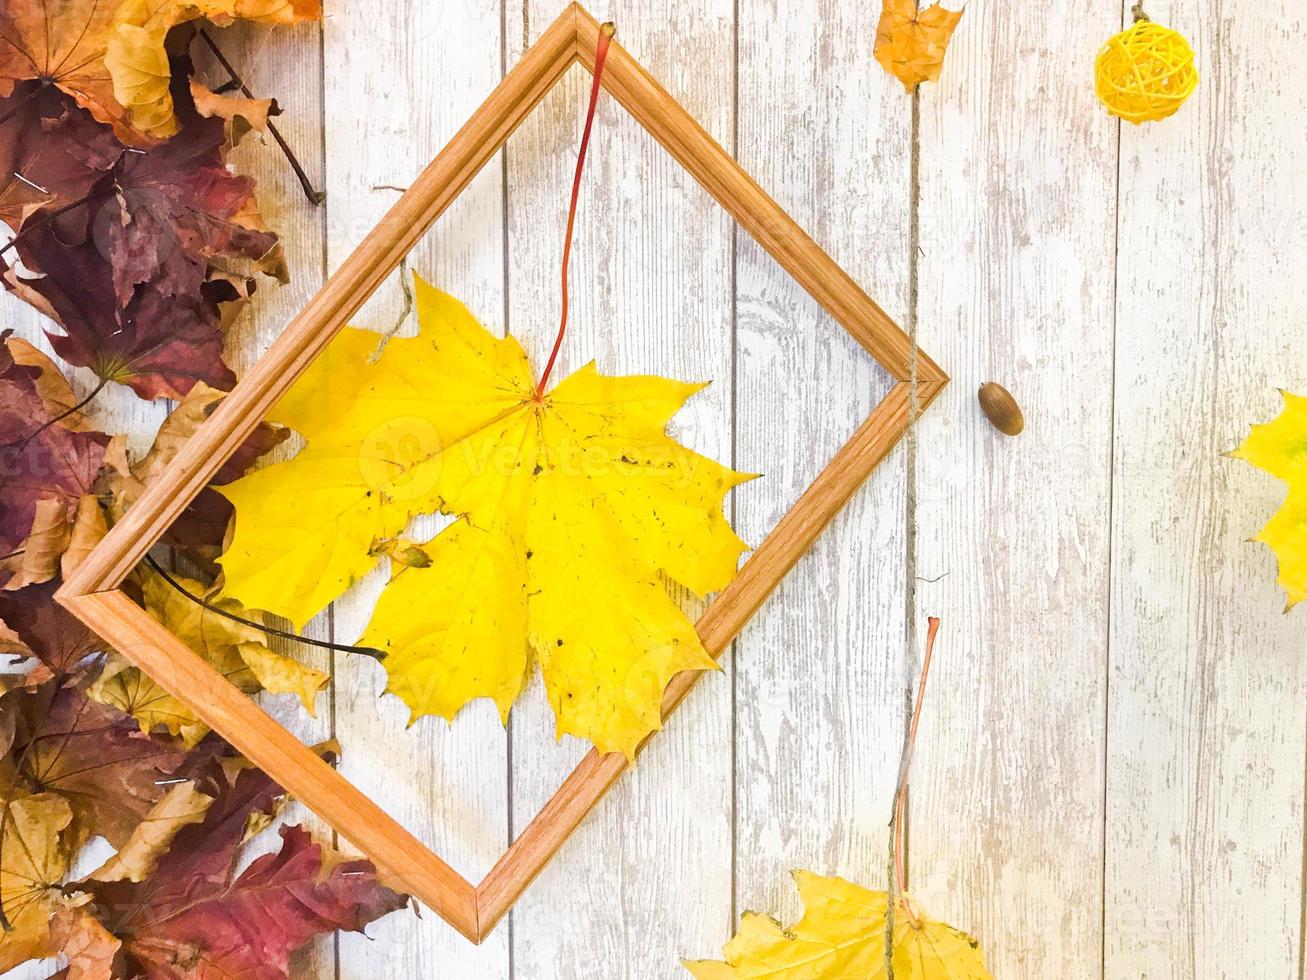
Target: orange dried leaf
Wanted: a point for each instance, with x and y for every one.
(910, 43)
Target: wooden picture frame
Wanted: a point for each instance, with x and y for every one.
(92, 593)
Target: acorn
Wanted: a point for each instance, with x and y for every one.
(1001, 408)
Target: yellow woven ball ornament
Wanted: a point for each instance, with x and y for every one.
(1145, 73)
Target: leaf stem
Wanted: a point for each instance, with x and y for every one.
(372, 652)
(314, 195)
(17, 106)
(606, 33)
(905, 765)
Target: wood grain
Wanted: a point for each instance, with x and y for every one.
(1015, 278)
(1208, 684)
(819, 700)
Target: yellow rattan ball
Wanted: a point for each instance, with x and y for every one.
(1145, 73)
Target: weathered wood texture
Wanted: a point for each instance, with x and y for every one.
(1110, 776)
(1207, 685)
(819, 693)
(1017, 221)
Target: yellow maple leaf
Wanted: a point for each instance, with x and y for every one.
(842, 936)
(571, 507)
(33, 862)
(910, 43)
(1280, 448)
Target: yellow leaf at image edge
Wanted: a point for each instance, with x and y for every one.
(842, 936)
(572, 512)
(1280, 448)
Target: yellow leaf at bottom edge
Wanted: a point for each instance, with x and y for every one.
(841, 936)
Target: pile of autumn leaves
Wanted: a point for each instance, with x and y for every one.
(134, 237)
(138, 246)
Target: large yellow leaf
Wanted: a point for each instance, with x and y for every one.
(1280, 448)
(842, 936)
(571, 510)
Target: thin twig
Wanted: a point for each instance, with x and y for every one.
(314, 195)
(406, 290)
(372, 652)
(905, 765)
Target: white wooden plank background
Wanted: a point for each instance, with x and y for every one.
(1110, 779)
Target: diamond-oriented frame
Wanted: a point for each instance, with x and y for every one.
(92, 593)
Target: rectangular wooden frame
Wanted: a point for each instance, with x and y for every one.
(92, 593)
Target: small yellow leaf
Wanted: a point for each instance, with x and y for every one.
(910, 43)
(37, 559)
(137, 61)
(228, 646)
(1280, 448)
(89, 526)
(136, 859)
(238, 114)
(841, 936)
(282, 675)
(572, 511)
